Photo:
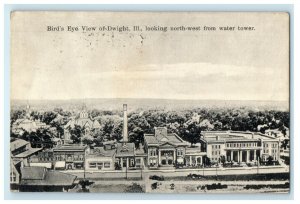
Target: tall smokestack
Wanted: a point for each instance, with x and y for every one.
(125, 128)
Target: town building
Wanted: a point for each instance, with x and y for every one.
(15, 173)
(194, 156)
(21, 150)
(101, 158)
(70, 156)
(21, 154)
(239, 147)
(164, 149)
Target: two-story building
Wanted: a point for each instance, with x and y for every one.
(164, 149)
(239, 146)
(70, 156)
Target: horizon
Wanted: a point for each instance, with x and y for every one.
(176, 99)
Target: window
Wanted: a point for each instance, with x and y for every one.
(107, 165)
(92, 165)
(180, 152)
(152, 152)
(152, 161)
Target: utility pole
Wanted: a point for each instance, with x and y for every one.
(257, 165)
(126, 168)
(84, 165)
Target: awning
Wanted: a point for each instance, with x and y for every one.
(60, 164)
(180, 160)
(46, 164)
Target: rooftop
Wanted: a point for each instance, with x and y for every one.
(70, 148)
(33, 173)
(125, 149)
(222, 136)
(39, 176)
(100, 151)
(161, 136)
(27, 153)
(193, 150)
(17, 144)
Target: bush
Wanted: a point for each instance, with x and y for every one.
(134, 188)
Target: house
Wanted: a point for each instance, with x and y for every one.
(84, 121)
(39, 179)
(25, 124)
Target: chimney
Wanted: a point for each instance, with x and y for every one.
(125, 130)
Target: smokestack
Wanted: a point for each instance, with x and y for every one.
(125, 130)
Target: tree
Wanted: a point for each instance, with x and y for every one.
(48, 116)
(134, 188)
(88, 140)
(222, 159)
(116, 132)
(46, 137)
(98, 141)
(284, 144)
(270, 160)
(58, 127)
(16, 114)
(206, 161)
(191, 133)
(76, 133)
(136, 136)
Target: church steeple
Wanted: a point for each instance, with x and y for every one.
(28, 110)
(84, 113)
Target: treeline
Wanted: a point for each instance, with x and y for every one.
(188, 124)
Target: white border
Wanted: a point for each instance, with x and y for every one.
(295, 86)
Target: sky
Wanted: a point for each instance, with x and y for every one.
(217, 65)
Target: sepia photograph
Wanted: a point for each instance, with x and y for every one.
(150, 102)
